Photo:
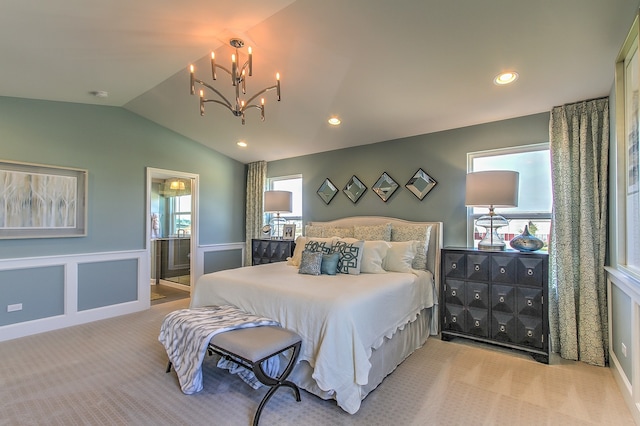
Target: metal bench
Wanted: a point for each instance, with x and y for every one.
(250, 347)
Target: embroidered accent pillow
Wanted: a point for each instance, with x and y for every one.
(310, 263)
(311, 231)
(420, 233)
(373, 232)
(323, 245)
(350, 256)
(330, 263)
(331, 231)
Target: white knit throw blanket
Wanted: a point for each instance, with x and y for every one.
(186, 333)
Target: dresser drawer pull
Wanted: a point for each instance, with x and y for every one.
(502, 270)
(529, 302)
(503, 328)
(530, 272)
(477, 296)
(476, 267)
(454, 265)
(529, 333)
(477, 323)
(454, 319)
(501, 299)
(453, 292)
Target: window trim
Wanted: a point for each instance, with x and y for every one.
(619, 251)
(269, 216)
(471, 217)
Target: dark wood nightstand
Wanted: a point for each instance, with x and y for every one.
(497, 297)
(270, 251)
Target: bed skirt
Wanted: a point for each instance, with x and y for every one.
(384, 360)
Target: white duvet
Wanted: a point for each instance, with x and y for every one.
(340, 318)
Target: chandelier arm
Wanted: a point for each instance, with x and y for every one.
(221, 103)
(246, 107)
(228, 71)
(260, 93)
(245, 67)
(227, 103)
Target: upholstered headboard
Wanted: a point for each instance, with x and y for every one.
(435, 240)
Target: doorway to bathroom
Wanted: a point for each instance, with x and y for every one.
(171, 231)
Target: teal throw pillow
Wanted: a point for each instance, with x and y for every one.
(330, 263)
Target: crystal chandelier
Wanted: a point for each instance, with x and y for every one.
(239, 76)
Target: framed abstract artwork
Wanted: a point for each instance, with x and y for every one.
(40, 201)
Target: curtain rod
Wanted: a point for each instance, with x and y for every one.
(579, 102)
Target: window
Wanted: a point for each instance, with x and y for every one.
(294, 185)
(180, 207)
(627, 119)
(534, 197)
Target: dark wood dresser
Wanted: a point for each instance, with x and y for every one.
(497, 297)
(270, 251)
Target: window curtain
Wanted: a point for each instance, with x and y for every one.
(256, 181)
(579, 143)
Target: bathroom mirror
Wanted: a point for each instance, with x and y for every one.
(327, 191)
(420, 184)
(354, 189)
(385, 186)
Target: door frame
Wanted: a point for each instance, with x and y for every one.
(153, 173)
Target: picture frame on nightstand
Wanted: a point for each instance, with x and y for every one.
(288, 231)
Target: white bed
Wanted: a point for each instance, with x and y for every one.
(356, 329)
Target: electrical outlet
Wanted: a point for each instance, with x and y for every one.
(624, 350)
(15, 307)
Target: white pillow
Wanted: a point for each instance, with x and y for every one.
(420, 233)
(400, 256)
(297, 252)
(373, 254)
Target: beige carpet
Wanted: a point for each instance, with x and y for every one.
(111, 372)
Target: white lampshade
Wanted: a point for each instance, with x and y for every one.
(277, 202)
(494, 188)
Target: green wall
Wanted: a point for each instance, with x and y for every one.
(116, 146)
(443, 155)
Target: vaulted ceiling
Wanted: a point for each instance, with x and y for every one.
(388, 69)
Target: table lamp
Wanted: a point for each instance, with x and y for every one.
(277, 202)
(491, 189)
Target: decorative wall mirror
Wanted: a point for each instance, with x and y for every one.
(354, 189)
(385, 186)
(420, 184)
(327, 191)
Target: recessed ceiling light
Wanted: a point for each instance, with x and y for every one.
(505, 78)
(100, 93)
(242, 144)
(334, 121)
